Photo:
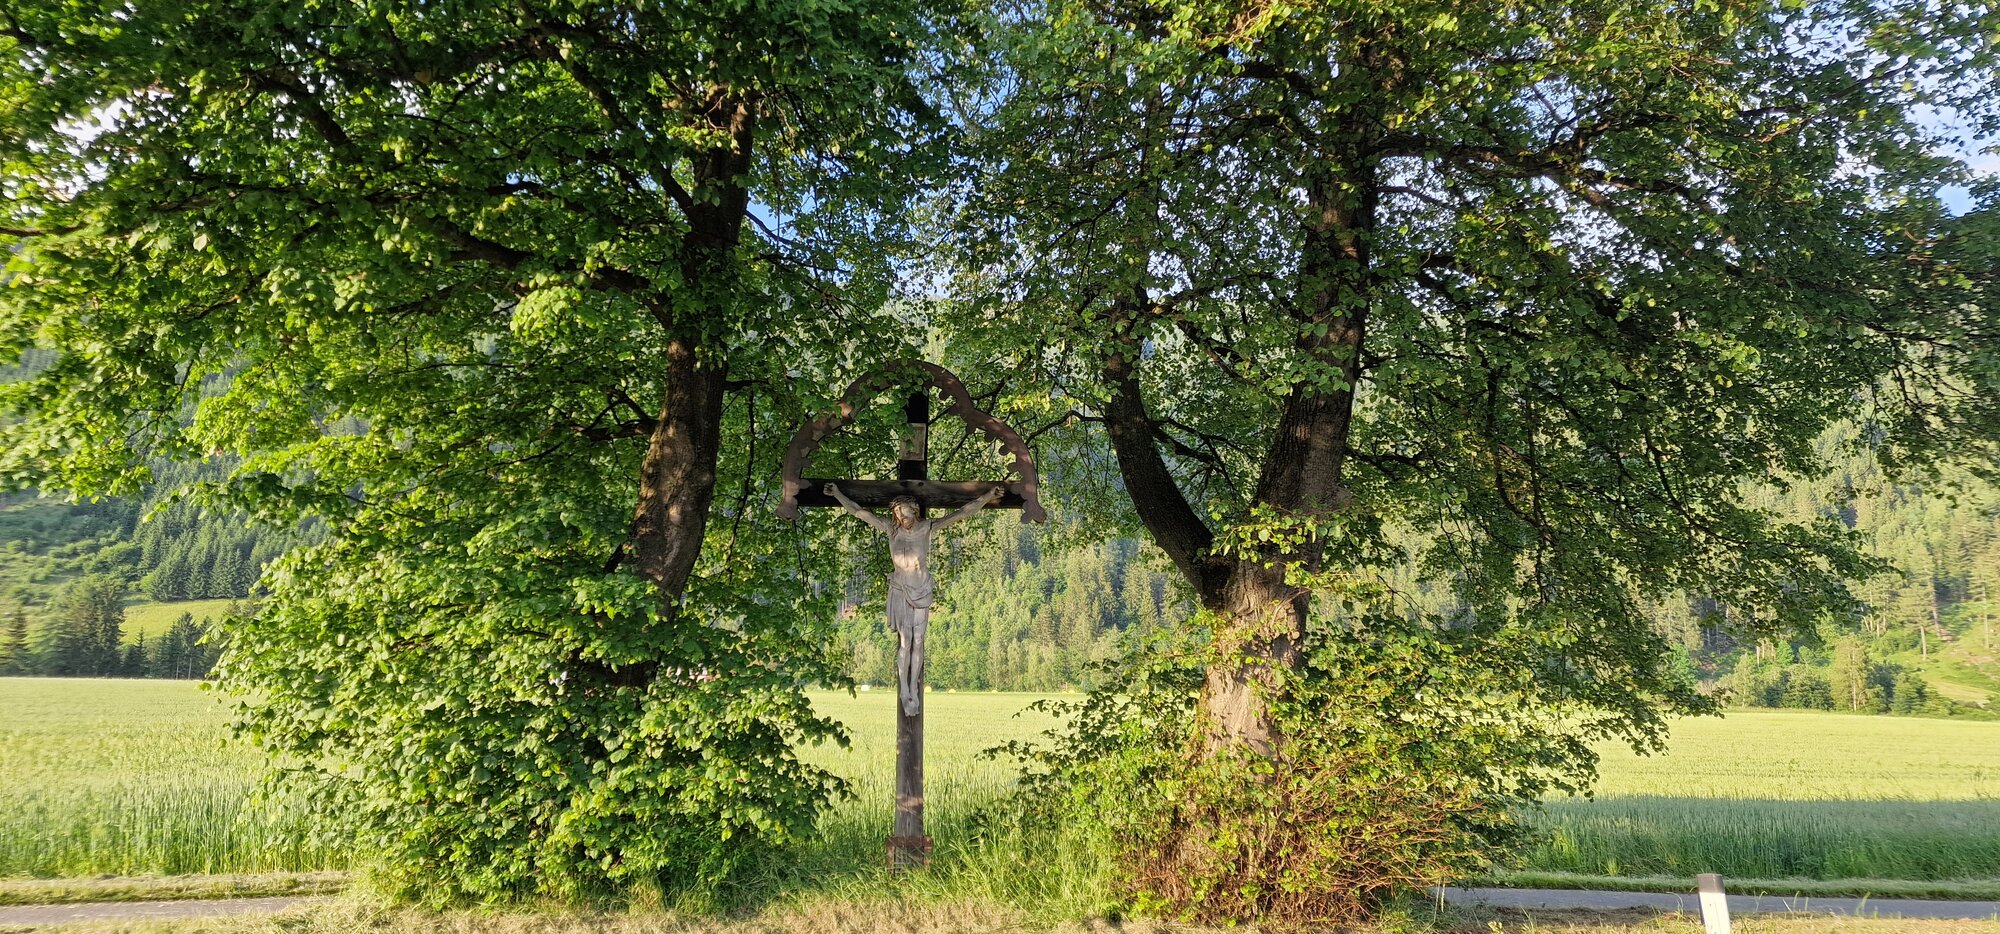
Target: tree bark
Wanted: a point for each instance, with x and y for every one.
(1174, 524)
(677, 478)
(1263, 616)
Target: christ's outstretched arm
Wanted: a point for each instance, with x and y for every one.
(970, 508)
(880, 524)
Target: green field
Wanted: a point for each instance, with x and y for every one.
(154, 619)
(124, 777)
(1792, 794)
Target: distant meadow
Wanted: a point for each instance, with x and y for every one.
(104, 777)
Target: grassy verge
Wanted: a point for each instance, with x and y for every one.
(169, 888)
(137, 779)
(1813, 888)
(941, 886)
(881, 916)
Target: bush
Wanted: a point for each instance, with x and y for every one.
(1404, 765)
(520, 722)
(1910, 693)
(1807, 689)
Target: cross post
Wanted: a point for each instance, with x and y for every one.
(908, 846)
(911, 589)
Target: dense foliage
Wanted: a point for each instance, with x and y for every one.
(512, 248)
(1444, 352)
(1525, 297)
(1409, 768)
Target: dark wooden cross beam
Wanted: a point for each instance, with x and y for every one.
(912, 466)
(908, 845)
(913, 463)
(931, 494)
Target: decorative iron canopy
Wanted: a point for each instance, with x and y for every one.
(1023, 492)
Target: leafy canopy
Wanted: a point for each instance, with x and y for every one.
(1521, 294)
(447, 259)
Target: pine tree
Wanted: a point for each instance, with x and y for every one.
(225, 574)
(248, 568)
(89, 619)
(207, 648)
(135, 661)
(169, 581)
(201, 564)
(1137, 598)
(152, 547)
(108, 606)
(15, 654)
(170, 659)
(1984, 571)
(1910, 695)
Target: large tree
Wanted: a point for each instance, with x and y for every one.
(1520, 293)
(490, 286)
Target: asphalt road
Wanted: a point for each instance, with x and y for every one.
(141, 911)
(1738, 904)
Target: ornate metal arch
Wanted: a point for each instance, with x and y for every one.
(1022, 493)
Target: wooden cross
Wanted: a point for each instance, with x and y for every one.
(910, 495)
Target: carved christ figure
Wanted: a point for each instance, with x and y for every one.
(912, 590)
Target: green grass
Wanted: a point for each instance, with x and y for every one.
(1962, 693)
(123, 777)
(1791, 795)
(154, 619)
(101, 777)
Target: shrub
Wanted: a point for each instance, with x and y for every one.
(1404, 762)
(521, 723)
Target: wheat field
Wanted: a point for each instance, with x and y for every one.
(126, 777)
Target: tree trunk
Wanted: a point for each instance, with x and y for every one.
(1263, 616)
(677, 478)
(1257, 642)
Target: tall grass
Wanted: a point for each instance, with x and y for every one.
(1771, 839)
(122, 777)
(971, 858)
(1790, 795)
(129, 777)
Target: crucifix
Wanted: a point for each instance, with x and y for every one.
(911, 588)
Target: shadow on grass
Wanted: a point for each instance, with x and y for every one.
(1770, 839)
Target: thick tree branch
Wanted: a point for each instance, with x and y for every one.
(1156, 495)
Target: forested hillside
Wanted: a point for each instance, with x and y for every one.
(1932, 612)
(1920, 640)
(1017, 617)
(70, 572)
(178, 552)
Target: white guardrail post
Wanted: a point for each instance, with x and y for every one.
(1714, 903)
